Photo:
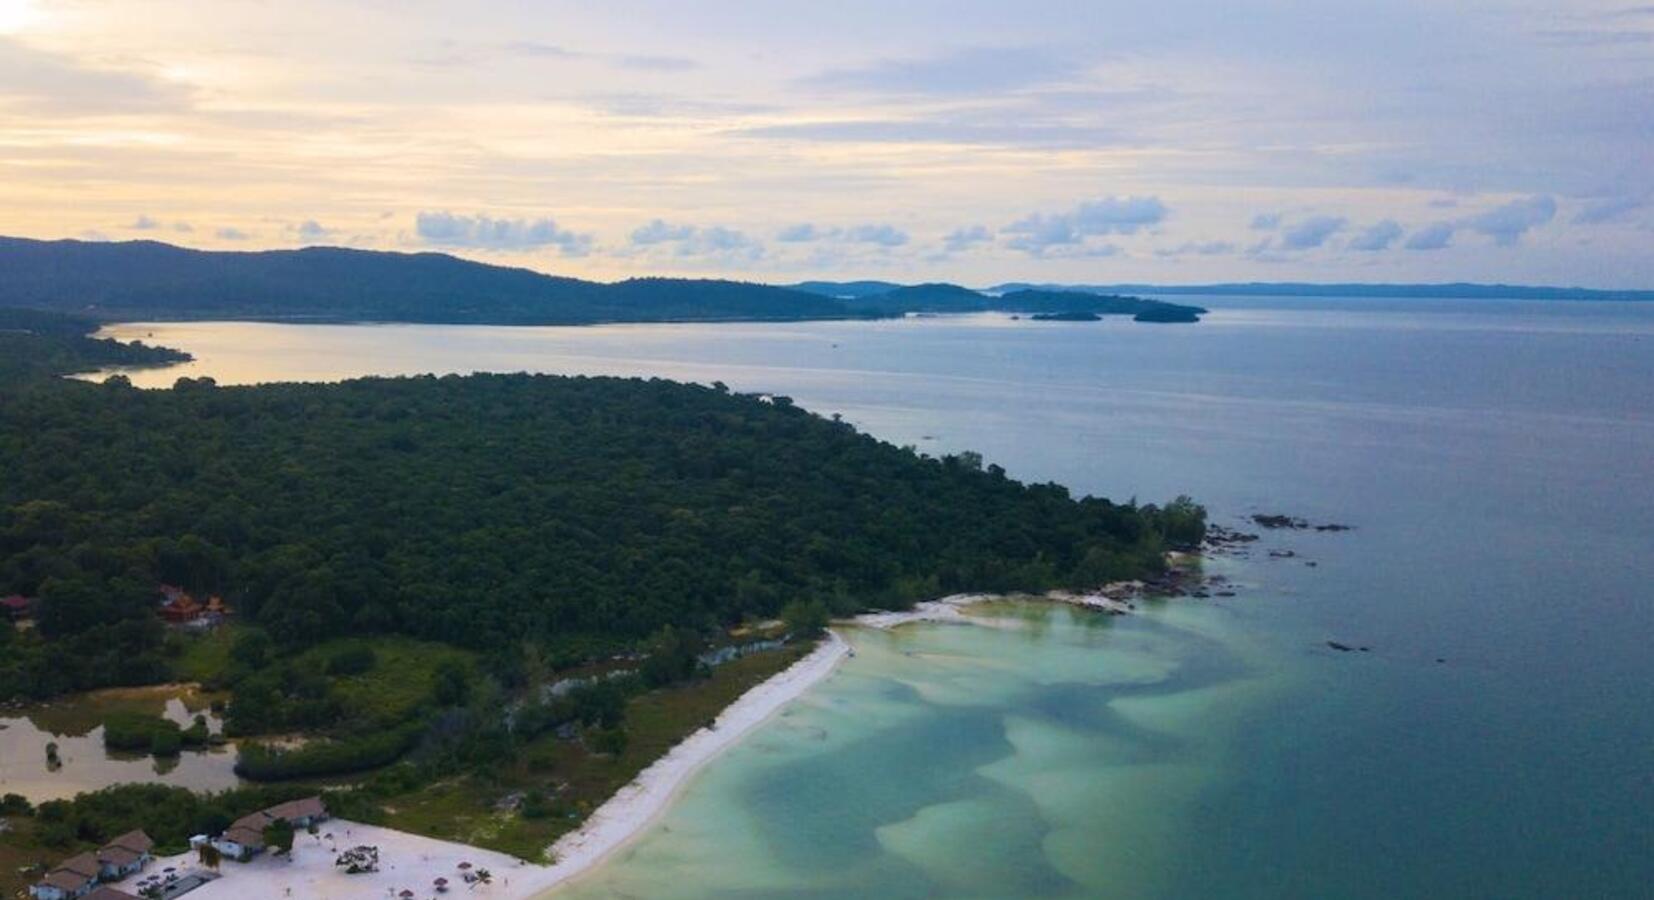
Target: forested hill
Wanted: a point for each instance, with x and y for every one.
(577, 513)
(149, 280)
(35, 343)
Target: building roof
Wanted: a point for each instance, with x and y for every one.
(105, 892)
(246, 837)
(303, 808)
(81, 864)
(253, 821)
(119, 856)
(136, 841)
(65, 880)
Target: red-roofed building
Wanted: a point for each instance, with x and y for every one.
(17, 606)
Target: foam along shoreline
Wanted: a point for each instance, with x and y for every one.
(627, 814)
(951, 608)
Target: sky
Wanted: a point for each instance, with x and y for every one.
(966, 140)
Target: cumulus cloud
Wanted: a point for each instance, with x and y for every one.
(1506, 224)
(961, 239)
(1431, 237)
(715, 241)
(1266, 221)
(1038, 233)
(803, 233)
(882, 235)
(481, 232)
(231, 234)
(1311, 233)
(659, 232)
(312, 230)
(1376, 237)
(144, 223)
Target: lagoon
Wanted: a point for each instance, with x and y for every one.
(1495, 458)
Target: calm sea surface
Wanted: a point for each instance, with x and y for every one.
(1497, 459)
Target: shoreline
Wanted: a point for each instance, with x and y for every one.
(622, 819)
(627, 815)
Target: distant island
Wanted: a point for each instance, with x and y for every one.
(1447, 291)
(1066, 317)
(148, 280)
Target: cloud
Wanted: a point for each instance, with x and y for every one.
(183, 227)
(49, 84)
(1037, 234)
(311, 230)
(231, 234)
(1266, 222)
(144, 223)
(1311, 233)
(961, 239)
(882, 235)
(1376, 237)
(803, 232)
(1612, 209)
(658, 232)
(1431, 237)
(1197, 248)
(715, 242)
(1506, 224)
(481, 232)
(971, 72)
(721, 242)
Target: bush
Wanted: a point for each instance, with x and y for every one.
(260, 762)
(353, 660)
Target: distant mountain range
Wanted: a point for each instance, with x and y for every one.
(137, 280)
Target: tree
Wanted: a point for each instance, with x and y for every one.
(805, 619)
(278, 836)
(210, 856)
(453, 683)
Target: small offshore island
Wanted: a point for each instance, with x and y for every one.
(486, 604)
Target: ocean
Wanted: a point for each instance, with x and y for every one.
(1496, 460)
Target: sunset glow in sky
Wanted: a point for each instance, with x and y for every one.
(964, 140)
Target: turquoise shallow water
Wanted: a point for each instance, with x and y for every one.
(1496, 458)
(1044, 753)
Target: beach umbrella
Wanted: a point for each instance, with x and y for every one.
(440, 881)
(406, 893)
(465, 865)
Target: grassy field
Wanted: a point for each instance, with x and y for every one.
(19, 850)
(575, 780)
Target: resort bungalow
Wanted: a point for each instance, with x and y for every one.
(124, 855)
(74, 877)
(243, 840)
(78, 876)
(17, 607)
(301, 813)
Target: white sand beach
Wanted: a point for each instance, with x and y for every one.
(409, 862)
(625, 815)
